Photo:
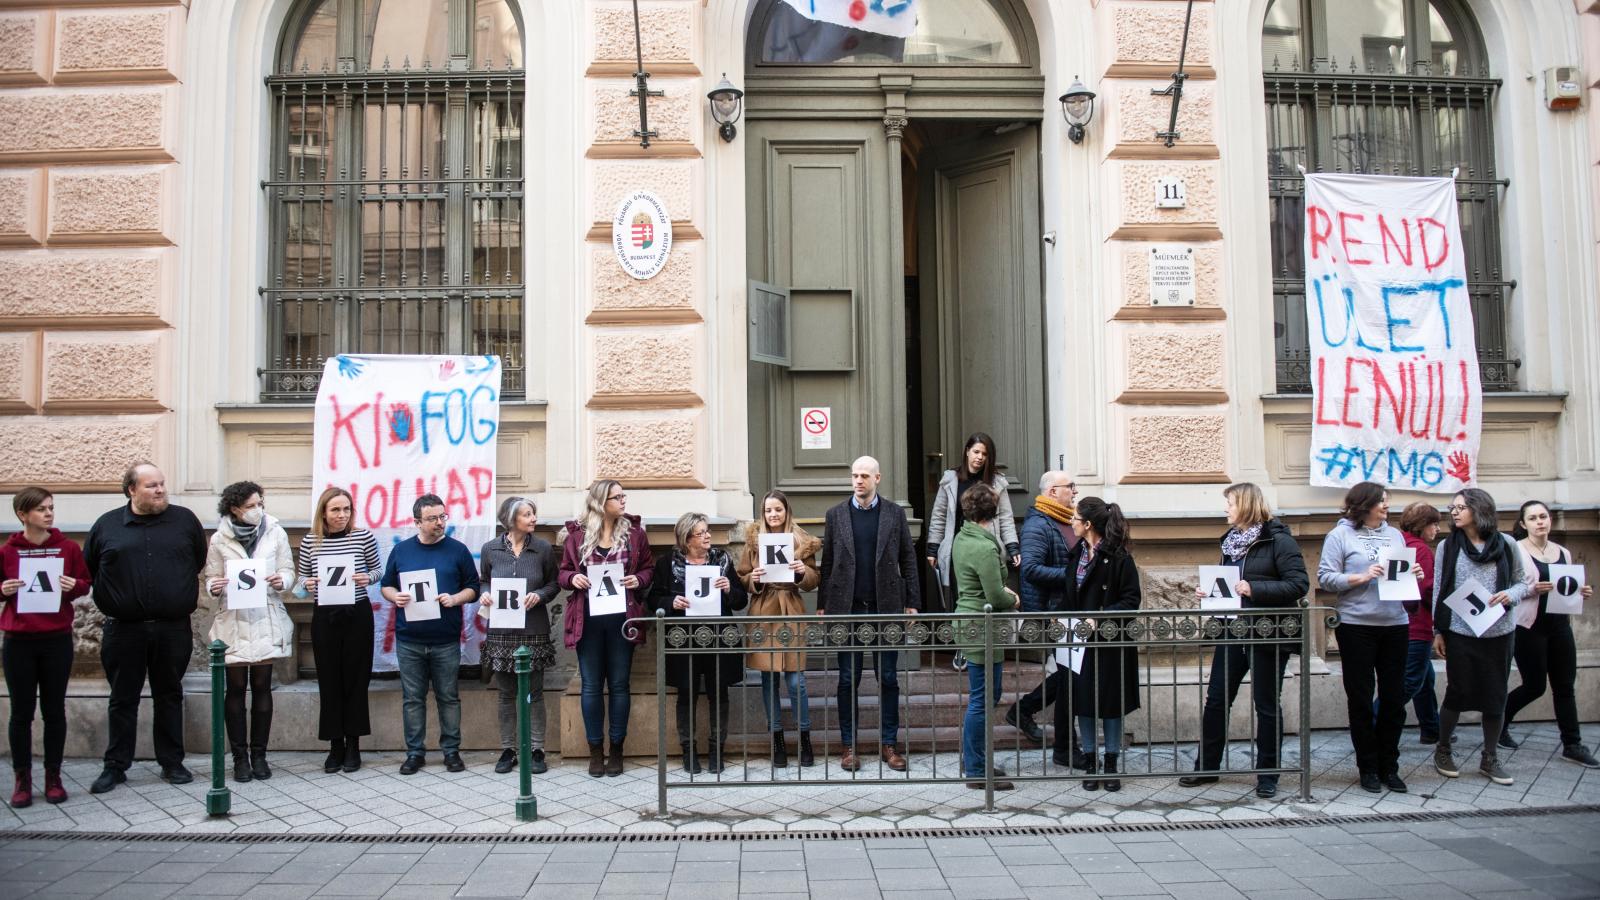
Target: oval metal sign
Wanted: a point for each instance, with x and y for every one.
(641, 234)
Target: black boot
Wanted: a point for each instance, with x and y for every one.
(1112, 784)
(714, 754)
(260, 730)
(352, 754)
(691, 760)
(807, 758)
(335, 756)
(258, 764)
(241, 763)
(780, 751)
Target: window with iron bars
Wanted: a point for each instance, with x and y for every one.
(395, 194)
(1382, 87)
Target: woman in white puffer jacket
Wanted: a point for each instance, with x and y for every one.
(254, 637)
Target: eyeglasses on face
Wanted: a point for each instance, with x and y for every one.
(1456, 507)
(435, 520)
(617, 497)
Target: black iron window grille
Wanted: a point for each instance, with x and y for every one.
(395, 195)
(1386, 87)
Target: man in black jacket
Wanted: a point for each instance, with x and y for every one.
(146, 559)
(869, 566)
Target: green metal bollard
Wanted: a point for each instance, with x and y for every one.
(218, 800)
(527, 806)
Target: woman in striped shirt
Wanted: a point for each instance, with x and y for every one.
(341, 635)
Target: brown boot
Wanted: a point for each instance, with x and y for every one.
(892, 757)
(597, 760)
(849, 761)
(613, 766)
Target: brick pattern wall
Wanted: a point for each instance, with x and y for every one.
(89, 184)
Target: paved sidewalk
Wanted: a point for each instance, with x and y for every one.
(1544, 856)
(301, 799)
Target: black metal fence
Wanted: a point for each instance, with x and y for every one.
(919, 700)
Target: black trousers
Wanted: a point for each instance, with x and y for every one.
(37, 668)
(1229, 664)
(1547, 653)
(258, 678)
(341, 645)
(130, 652)
(1374, 658)
(710, 685)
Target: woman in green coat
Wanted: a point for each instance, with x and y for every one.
(980, 579)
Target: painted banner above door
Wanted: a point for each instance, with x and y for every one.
(896, 18)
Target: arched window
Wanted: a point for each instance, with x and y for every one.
(1384, 87)
(948, 33)
(395, 189)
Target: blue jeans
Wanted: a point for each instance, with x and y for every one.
(850, 666)
(981, 680)
(605, 657)
(796, 682)
(419, 664)
(1110, 728)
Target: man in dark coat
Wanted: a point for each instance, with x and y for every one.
(1046, 537)
(869, 566)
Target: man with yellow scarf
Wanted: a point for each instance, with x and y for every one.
(1046, 537)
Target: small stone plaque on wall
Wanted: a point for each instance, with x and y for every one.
(1171, 193)
(1171, 275)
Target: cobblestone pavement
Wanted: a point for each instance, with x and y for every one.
(1526, 856)
(377, 800)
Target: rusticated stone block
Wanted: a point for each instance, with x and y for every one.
(1164, 444)
(645, 446)
(91, 367)
(75, 451)
(666, 32)
(1152, 33)
(51, 124)
(660, 362)
(674, 287)
(24, 47)
(124, 44)
(1136, 275)
(121, 284)
(1137, 190)
(121, 203)
(1175, 360)
(19, 371)
(673, 182)
(21, 206)
(1136, 115)
(616, 115)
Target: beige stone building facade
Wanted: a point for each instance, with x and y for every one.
(200, 201)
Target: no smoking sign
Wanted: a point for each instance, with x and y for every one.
(816, 428)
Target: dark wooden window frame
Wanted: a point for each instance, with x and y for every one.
(410, 258)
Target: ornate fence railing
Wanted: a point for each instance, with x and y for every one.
(1154, 654)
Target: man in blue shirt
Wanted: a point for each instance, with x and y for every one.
(430, 649)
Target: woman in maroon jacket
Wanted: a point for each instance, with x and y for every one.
(38, 646)
(1419, 525)
(606, 535)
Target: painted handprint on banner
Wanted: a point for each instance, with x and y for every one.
(1460, 467)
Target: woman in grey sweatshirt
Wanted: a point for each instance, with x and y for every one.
(1372, 633)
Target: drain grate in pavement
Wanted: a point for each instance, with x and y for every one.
(816, 835)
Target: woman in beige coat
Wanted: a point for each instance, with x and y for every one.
(255, 637)
(781, 599)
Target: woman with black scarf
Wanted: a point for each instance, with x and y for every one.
(1477, 667)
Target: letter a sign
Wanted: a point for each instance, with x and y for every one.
(1218, 582)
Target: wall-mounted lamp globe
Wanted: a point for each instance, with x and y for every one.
(727, 102)
(1077, 104)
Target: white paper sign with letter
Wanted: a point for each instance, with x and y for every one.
(1218, 583)
(1070, 653)
(1471, 602)
(505, 607)
(1566, 591)
(247, 584)
(1399, 581)
(336, 585)
(777, 553)
(704, 598)
(423, 586)
(607, 596)
(41, 584)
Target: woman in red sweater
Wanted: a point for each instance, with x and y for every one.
(38, 645)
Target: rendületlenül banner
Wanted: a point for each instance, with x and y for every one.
(391, 428)
(1394, 362)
